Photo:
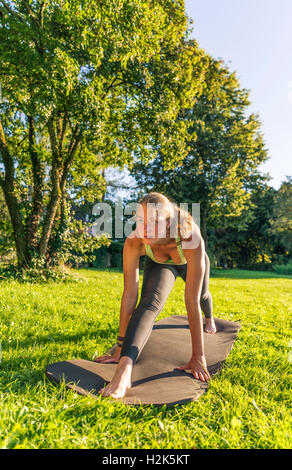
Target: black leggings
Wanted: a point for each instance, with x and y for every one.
(158, 280)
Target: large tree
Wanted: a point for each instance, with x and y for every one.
(226, 149)
(87, 84)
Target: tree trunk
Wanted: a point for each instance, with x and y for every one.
(7, 185)
(49, 220)
(33, 219)
(18, 229)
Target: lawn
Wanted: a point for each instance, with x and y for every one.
(248, 405)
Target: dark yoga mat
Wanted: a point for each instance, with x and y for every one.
(154, 378)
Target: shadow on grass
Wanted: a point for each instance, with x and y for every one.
(247, 274)
(215, 273)
(52, 338)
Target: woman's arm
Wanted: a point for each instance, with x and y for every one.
(195, 273)
(194, 281)
(131, 258)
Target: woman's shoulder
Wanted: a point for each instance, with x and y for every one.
(133, 236)
(134, 240)
(194, 240)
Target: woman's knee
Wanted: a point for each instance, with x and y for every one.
(151, 302)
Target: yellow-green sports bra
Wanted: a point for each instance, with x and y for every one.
(149, 253)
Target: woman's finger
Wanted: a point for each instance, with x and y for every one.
(101, 358)
(206, 373)
(110, 359)
(107, 361)
(98, 359)
(201, 375)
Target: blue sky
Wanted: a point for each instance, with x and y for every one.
(254, 38)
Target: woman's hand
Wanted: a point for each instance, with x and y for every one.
(108, 358)
(198, 367)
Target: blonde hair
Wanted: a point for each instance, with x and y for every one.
(181, 221)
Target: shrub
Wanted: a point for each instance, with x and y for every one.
(283, 268)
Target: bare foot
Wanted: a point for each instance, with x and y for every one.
(120, 382)
(210, 326)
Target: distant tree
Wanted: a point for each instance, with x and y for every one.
(281, 221)
(226, 150)
(86, 84)
(245, 240)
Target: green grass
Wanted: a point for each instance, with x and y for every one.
(248, 405)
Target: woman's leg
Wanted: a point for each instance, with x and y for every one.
(206, 301)
(158, 280)
(206, 298)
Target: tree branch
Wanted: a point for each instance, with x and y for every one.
(31, 12)
(61, 132)
(122, 82)
(55, 191)
(73, 137)
(69, 160)
(12, 12)
(42, 9)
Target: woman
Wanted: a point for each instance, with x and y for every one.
(167, 256)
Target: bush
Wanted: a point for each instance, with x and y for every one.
(283, 268)
(37, 271)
